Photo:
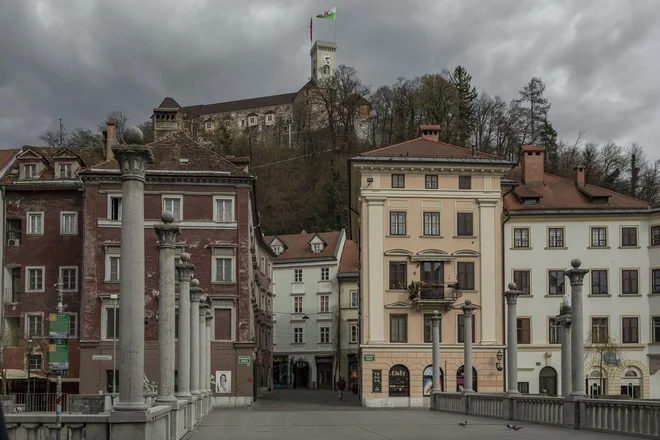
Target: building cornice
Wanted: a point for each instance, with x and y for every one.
(580, 212)
(493, 196)
(472, 164)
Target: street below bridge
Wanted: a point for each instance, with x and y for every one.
(294, 414)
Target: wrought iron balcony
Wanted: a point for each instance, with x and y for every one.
(424, 294)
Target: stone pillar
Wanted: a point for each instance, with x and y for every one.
(373, 277)
(203, 352)
(195, 296)
(576, 275)
(511, 296)
(435, 320)
(489, 225)
(468, 308)
(184, 272)
(564, 320)
(133, 162)
(167, 233)
(209, 335)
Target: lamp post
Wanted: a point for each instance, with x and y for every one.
(29, 358)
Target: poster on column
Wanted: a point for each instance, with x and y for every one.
(223, 382)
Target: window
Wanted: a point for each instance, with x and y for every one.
(36, 361)
(269, 118)
(69, 275)
(521, 238)
(227, 122)
(630, 330)
(224, 265)
(464, 182)
(629, 282)
(598, 237)
(30, 171)
(599, 330)
(655, 275)
(252, 120)
(14, 231)
(398, 328)
(15, 284)
(65, 171)
(317, 248)
(431, 223)
(223, 324)
(298, 335)
(556, 282)
(599, 282)
(521, 278)
(325, 303)
(428, 328)
(34, 280)
(297, 304)
(554, 331)
(13, 331)
(398, 275)
(461, 328)
(354, 333)
(111, 323)
(464, 224)
(224, 209)
(223, 270)
(523, 331)
(297, 275)
(465, 275)
(73, 325)
(114, 208)
(431, 182)
(69, 223)
(399, 381)
(173, 205)
(112, 264)
(355, 299)
(397, 223)
(556, 237)
(35, 327)
(523, 387)
(398, 181)
(324, 333)
(263, 265)
(432, 272)
(325, 274)
(656, 328)
(629, 236)
(35, 223)
(655, 235)
(209, 125)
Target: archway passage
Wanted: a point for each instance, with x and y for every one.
(548, 381)
(460, 379)
(302, 374)
(427, 379)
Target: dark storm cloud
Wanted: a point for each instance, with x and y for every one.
(80, 59)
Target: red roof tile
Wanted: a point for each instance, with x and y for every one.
(425, 148)
(297, 245)
(350, 258)
(169, 103)
(243, 104)
(6, 156)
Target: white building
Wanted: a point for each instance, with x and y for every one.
(306, 309)
(548, 221)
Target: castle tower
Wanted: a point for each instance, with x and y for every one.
(166, 118)
(324, 59)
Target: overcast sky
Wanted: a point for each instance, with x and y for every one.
(79, 59)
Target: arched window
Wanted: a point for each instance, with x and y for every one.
(548, 381)
(460, 379)
(399, 381)
(631, 383)
(326, 70)
(428, 380)
(596, 383)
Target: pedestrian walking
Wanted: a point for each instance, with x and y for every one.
(341, 386)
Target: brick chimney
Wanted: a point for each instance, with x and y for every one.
(430, 132)
(579, 175)
(111, 139)
(531, 165)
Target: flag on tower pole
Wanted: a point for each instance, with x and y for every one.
(310, 29)
(330, 15)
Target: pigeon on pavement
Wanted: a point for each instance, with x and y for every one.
(514, 427)
(462, 423)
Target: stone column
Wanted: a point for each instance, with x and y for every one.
(195, 296)
(576, 275)
(511, 296)
(564, 320)
(133, 162)
(184, 272)
(167, 233)
(209, 335)
(374, 278)
(435, 320)
(489, 225)
(468, 308)
(203, 352)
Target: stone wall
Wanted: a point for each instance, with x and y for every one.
(86, 403)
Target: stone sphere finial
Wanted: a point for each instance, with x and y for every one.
(133, 135)
(194, 282)
(185, 257)
(468, 302)
(167, 217)
(576, 263)
(512, 286)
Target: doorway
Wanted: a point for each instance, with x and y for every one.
(324, 379)
(548, 381)
(302, 374)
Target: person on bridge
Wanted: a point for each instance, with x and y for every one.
(341, 385)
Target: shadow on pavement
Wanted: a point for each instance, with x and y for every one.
(301, 400)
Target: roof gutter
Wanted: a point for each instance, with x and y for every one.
(581, 211)
(172, 172)
(433, 159)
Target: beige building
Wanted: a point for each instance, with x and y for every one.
(430, 216)
(349, 303)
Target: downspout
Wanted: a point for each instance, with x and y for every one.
(508, 217)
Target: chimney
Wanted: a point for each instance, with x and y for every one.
(579, 175)
(111, 139)
(430, 132)
(531, 165)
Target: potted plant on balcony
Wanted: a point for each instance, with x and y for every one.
(414, 288)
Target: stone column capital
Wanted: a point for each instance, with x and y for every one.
(209, 317)
(167, 232)
(512, 294)
(576, 275)
(435, 319)
(468, 308)
(203, 308)
(184, 269)
(196, 292)
(133, 160)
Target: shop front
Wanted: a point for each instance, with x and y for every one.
(281, 371)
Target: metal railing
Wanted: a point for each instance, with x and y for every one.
(430, 293)
(38, 402)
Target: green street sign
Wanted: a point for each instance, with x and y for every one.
(244, 360)
(369, 357)
(58, 327)
(58, 357)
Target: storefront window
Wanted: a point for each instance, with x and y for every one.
(399, 381)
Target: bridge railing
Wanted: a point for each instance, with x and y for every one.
(538, 409)
(634, 417)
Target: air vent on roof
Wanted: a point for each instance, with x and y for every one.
(183, 160)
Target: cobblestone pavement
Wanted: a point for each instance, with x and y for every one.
(298, 415)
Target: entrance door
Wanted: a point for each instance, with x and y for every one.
(548, 381)
(302, 374)
(324, 379)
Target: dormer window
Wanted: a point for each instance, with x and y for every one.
(65, 171)
(269, 118)
(317, 248)
(209, 125)
(30, 171)
(252, 120)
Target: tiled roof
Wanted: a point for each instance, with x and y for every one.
(88, 156)
(559, 193)
(350, 258)
(243, 104)
(425, 148)
(6, 156)
(297, 245)
(169, 103)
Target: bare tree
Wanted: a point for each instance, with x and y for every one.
(603, 348)
(52, 138)
(84, 138)
(120, 118)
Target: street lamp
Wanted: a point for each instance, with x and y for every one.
(114, 297)
(498, 364)
(29, 358)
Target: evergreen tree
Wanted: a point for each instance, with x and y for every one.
(466, 96)
(537, 114)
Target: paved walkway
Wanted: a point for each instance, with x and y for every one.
(284, 415)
